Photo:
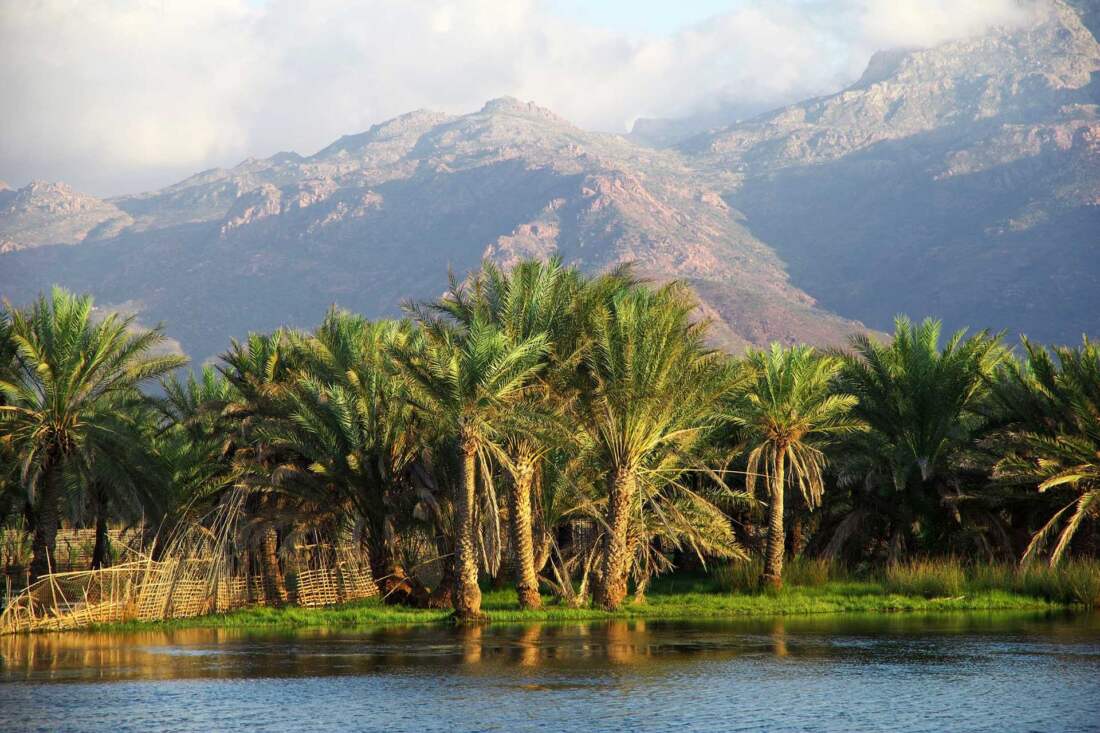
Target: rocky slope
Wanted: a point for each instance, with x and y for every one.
(377, 218)
(961, 181)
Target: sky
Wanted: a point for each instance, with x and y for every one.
(120, 96)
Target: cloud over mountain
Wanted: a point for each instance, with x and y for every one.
(124, 96)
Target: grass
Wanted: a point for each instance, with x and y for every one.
(811, 587)
(1076, 582)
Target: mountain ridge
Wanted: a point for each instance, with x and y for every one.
(377, 217)
(960, 181)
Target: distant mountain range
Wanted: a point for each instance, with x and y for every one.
(961, 181)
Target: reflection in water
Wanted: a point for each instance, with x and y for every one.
(899, 672)
(471, 644)
(529, 651)
(779, 639)
(206, 652)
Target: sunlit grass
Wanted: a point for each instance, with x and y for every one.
(1072, 582)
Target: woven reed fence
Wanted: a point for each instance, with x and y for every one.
(183, 585)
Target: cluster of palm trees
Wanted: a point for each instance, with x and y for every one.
(555, 427)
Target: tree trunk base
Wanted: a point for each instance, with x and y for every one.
(469, 619)
(611, 598)
(529, 599)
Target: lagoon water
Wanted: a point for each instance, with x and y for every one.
(974, 672)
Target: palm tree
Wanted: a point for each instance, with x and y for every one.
(121, 477)
(531, 300)
(261, 371)
(646, 384)
(922, 404)
(469, 382)
(71, 374)
(195, 441)
(347, 422)
(788, 411)
(1055, 434)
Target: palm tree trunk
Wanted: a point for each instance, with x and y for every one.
(274, 583)
(773, 562)
(102, 539)
(527, 581)
(467, 594)
(616, 554)
(46, 520)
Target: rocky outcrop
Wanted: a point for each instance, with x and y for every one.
(44, 213)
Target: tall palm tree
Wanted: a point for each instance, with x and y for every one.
(1055, 434)
(788, 411)
(647, 383)
(70, 376)
(469, 381)
(533, 299)
(922, 404)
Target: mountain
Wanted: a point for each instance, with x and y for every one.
(961, 181)
(376, 218)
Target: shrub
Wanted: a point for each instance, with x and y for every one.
(991, 576)
(1082, 581)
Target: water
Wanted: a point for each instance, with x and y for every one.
(886, 673)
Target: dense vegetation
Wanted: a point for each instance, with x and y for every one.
(569, 432)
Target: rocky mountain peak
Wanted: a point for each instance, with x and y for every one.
(958, 181)
(53, 198)
(512, 106)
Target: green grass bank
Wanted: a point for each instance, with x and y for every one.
(812, 587)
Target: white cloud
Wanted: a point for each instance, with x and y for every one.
(114, 95)
(891, 23)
